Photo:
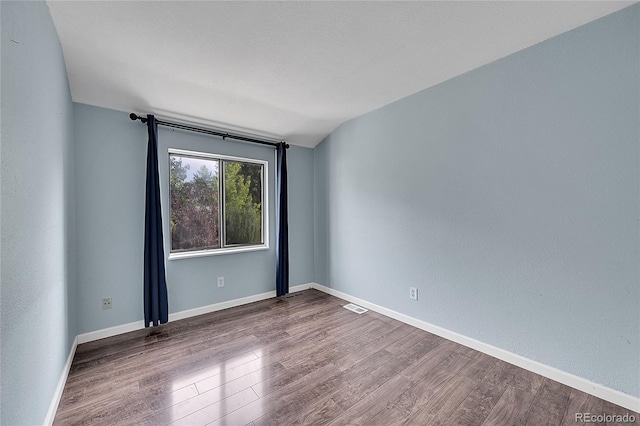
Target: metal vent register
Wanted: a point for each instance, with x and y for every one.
(355, 308)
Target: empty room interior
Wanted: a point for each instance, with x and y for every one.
(192, 192)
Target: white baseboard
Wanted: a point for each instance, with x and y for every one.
(57, 395)
(232, 303)
(108, 332)
(614, 396)
(138, 325)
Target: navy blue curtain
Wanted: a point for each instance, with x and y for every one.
(156, 308)
(282, 227)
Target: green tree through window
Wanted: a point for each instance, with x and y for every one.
(196, 184)
(243, 217)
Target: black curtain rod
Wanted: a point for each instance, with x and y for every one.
(224, 136)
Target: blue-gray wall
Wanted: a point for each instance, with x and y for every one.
(37, 250)
(509, 196)
(110, 184)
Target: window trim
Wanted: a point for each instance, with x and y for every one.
(265, 205)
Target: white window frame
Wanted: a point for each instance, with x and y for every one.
(264, 207)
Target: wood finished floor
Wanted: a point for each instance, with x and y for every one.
(305, 360)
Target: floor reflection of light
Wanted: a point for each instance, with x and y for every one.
(185, 393)
(193, 405)
(212, 370)
(214, 385)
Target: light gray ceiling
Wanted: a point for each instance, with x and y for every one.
(289, 70)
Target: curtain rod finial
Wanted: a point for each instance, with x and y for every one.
(133, 116)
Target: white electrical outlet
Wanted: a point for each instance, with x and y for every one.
(413, 293)
(106, 303)
(220, 282)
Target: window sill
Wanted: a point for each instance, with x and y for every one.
(216, 252)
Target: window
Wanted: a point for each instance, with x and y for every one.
(217, 204)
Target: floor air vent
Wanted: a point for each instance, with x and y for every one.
(355, 308)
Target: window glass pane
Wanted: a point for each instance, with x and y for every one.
(194, 193)
(243, 203)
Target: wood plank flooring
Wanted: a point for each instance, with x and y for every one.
(305, 360)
